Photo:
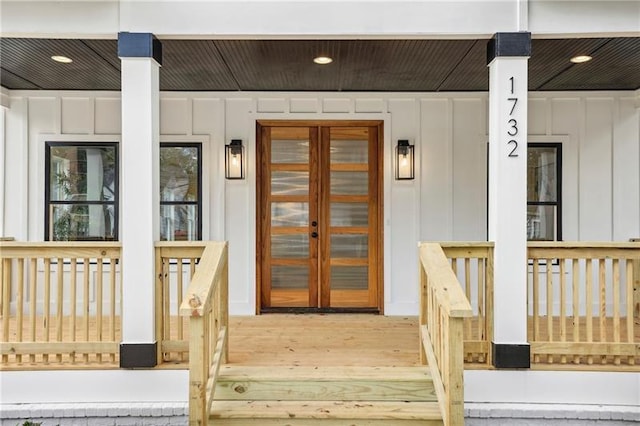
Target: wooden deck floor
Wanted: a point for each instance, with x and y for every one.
(324, 340)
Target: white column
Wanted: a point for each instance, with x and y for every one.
(3, 168)
(508, 198)
(139, 207)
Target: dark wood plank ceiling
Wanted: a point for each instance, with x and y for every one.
(286, 65)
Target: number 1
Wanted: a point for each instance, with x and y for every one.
(511, 80)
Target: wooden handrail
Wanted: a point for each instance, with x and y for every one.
(206, 305)
(443, 307)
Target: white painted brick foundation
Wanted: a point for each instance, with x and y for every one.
(170, 414)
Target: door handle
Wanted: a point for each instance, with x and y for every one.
(314, 234)
(314, 223)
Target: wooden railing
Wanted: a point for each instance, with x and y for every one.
(206, 306)
(472, 263)
(443, 307)
(581, 304)
(175, 266)
(60, 304)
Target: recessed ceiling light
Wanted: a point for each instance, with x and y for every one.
(62, 59)
(322, 60)
(580, 59)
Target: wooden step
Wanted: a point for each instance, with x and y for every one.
(382, 396)
(325, 384)
(347, 413)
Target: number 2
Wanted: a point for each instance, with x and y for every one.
(513, 151)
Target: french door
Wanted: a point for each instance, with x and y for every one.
(319, 215)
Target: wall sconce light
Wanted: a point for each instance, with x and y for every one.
(404, 160)
(233, 160)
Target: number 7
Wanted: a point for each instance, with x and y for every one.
(515, 102)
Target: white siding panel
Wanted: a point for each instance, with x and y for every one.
(469, 182)
(174, 117)
(405, 203)
(304, 105)
(626, 172)
(77, 115)
(436, 177)
(108, 116)
(369, 105)
(595, 171)
(566, 120)
(342, 105)
(240, 209)
(537, 124)
(272, 105)
(44, 118)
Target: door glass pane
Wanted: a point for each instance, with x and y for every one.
(349, 246)
(289, 183)
(289, 277)
(289, 151)
(349, 183)
(82, 222)
(178, 222)
(289, 214)
(541, 223)
(349, 151)
(349, 277)
(349, 214)
(541, 174)
(296, 245)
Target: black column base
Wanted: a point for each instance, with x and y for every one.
(138, 355)
(511, 356)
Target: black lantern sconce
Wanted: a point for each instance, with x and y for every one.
(404, 160)
(234, 160)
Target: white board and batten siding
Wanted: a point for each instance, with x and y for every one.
(600, 133)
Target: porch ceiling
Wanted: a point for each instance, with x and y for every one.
(286, 65)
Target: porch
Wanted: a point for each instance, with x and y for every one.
(42, 330)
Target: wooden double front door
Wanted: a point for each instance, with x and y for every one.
(319, 215)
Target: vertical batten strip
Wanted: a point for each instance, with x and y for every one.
(602, 280)
(47, 303)
(616, 306)
(33, 277)
(19, 304)
(576, 305)
(59, 303)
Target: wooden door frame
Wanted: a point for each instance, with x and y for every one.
(260, 239)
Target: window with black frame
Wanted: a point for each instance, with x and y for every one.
(544, 192)
(180, 191)
(81, 191)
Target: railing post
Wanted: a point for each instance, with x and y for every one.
(636, 283)
(197, 371)
(455, 373)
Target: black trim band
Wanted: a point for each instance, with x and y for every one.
(511, 356)
(509, 44)
(139, 45)
(138, 355)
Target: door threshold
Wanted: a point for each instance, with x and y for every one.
(292, 310)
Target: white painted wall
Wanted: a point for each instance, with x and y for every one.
(314, 18)
(600, 132)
